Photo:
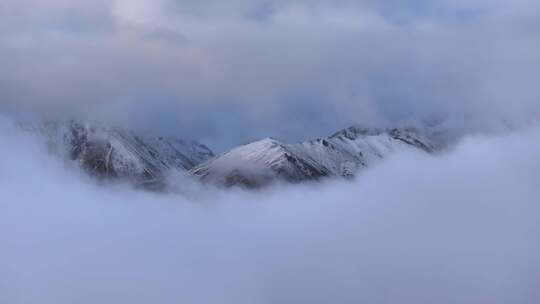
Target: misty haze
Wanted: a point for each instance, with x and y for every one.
(179, 151)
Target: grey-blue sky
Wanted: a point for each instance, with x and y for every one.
(230, 72)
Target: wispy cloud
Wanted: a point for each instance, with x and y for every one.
(271, 62)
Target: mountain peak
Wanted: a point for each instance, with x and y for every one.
(256, 164)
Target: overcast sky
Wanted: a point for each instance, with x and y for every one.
(228, 72)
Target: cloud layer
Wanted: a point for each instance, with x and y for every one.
(235, 71)
(457, 228)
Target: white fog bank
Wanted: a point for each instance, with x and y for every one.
(457, 228)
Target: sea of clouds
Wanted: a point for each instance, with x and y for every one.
(460, 227)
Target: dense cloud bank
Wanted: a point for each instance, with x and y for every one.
(233, 71)
(456, 228)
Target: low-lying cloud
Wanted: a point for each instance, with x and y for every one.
(241, 70)
(461, 227)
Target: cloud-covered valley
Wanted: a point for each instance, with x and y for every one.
(461, 227)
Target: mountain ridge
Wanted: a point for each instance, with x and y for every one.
(115, 153)
(146, 160)
(342, 154)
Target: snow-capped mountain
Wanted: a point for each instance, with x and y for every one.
(111, 152)
(342, 154)
(146, 160)
(257, 164)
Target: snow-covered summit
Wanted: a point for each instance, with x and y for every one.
(256, 164)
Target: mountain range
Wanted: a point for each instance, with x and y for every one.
(113, 153)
